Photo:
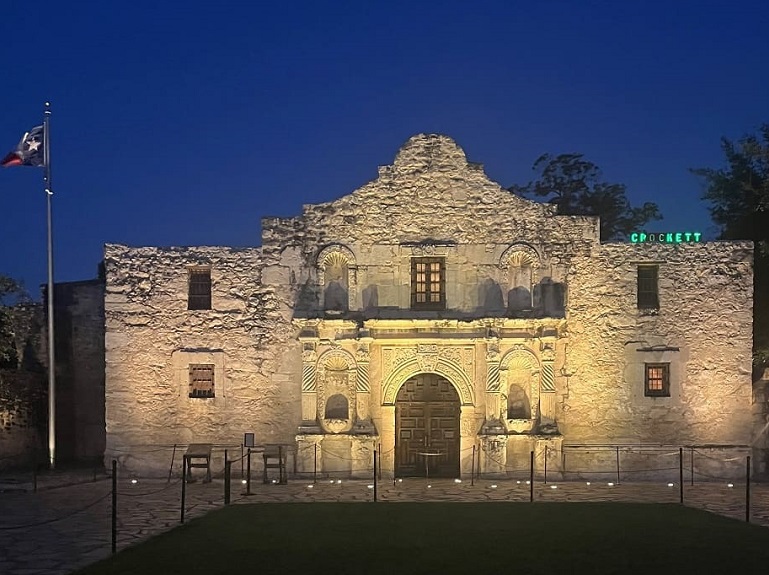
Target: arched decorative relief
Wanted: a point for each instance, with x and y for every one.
(521, 255)
(338, 255)
(336, 374)
(517, 363)
(452, 371)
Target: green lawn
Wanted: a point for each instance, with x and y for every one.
(447, 538)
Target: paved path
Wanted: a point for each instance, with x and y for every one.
(54, 531)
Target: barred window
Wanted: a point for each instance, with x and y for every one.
(199, 289)
(201, 380)
(648, 290)
(428, 283)
(657, 379)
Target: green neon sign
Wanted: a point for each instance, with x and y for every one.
(665, 237)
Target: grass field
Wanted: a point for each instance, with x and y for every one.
(478, 538)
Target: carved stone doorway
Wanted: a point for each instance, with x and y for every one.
(427, 410)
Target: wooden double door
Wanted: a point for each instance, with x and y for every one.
(427, 428)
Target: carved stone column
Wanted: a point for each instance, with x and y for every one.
(363, 384)
(309, 386)
(387, 438)
(493, 408)
(547, 391)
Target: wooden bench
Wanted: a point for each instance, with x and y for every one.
(198, 455)
(275, 457)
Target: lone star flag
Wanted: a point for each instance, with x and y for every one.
(29, 151)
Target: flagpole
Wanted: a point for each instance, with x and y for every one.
(51, 351)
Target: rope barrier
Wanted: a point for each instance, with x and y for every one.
(55, 519)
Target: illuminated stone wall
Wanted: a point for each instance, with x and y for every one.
(703, 329)
(323, 309)
(151, 338)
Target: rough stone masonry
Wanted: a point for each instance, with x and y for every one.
(435, 317)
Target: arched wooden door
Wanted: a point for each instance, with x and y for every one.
(427, 428)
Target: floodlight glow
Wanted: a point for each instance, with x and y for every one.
(671, 484)
(243, 481)
(338, 481)
(309, 487)
(134, 481)
(457, 481)
(588, 483)
(610, 484)
(400, 481)
(730, 484)
(429, 486)
(494, 486)
(528, 482)
(553, 487)
(371, 487)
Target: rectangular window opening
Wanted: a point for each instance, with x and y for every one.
(201, 380)
(648, 287)
(657, 379)
(428, 283)
(199, 289)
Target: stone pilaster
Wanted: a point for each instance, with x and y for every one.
(309, 453)
(494, 455)
(362, 452)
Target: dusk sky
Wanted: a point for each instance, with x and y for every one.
(185, 123)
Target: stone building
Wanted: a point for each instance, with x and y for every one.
(436, 317)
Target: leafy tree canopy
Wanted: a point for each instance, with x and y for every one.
(575, 185)
(738, 193)
(738, 198)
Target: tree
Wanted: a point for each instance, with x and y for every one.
(738, 194)
(575, 186)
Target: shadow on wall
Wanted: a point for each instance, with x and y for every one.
(545, 299)
(335, 297)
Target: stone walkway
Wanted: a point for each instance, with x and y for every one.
(55, 531)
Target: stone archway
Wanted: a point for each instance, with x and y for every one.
(427, 428)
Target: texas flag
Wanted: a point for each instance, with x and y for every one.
(29, 151)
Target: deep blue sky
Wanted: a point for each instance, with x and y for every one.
(185, 123)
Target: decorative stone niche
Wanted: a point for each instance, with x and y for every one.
(336, 382)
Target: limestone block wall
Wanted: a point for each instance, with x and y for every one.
(431, 201)
(703, 328)
(151, 337)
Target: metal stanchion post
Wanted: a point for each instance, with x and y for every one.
(747, 491)
(315, 464)
(114, 506)
(184, 487)
(691, 467)
(171, 468)
(531, 477)
(681, 474)
(618, 481)
(375, 476)
(545, 464)
(472, 468)
(227, 470)
(248, 473)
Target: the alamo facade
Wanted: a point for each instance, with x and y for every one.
(435, 317)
